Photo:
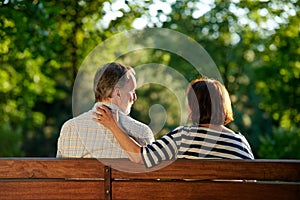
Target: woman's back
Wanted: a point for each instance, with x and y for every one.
(196, 142)
(202, 142)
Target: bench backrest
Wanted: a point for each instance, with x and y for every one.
(51, 178)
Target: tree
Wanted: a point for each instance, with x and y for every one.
(277, 81)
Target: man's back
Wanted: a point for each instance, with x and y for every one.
(81, 137)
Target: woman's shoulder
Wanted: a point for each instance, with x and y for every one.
(186, 128)
(228, 130)
(205, 130)
(178, 131)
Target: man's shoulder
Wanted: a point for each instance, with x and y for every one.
(77, 119)
(128, 120)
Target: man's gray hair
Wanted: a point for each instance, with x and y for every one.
(108, 77)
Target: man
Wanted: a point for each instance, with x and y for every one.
(82, 137)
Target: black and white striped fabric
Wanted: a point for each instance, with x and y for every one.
(194, 142)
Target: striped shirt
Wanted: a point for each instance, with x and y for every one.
(81, 137)
(193, 142)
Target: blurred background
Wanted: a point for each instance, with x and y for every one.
(255, 45)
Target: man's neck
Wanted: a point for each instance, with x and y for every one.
(109, 103)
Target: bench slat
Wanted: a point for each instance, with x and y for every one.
(288, 170)
(51, 190)
(203, 190)
(50, 168)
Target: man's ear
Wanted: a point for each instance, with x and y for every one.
(116, 92)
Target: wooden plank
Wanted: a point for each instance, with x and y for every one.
(50, 168)
(285, 170)
(203, 190)
(125, 165)
(51, 190)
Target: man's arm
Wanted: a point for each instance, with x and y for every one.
(136, 129)
(60, 143)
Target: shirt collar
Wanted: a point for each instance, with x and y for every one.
(110, 105)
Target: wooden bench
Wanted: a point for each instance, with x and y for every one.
(52, 178)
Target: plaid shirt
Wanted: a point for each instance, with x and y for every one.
(81, 137)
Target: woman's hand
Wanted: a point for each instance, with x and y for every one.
(105, 117)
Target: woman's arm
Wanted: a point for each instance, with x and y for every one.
(132, 148)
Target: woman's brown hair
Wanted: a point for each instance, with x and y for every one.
(209, 102)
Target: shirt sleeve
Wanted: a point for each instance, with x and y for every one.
(61, 140)
(165, 148)
(147, 137)
(137, 130)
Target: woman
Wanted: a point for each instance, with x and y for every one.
(210, 109)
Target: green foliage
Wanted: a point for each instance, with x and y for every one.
(282, 144)
(255, 45)
(30, 70)
(278, 79)
(10, 141)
